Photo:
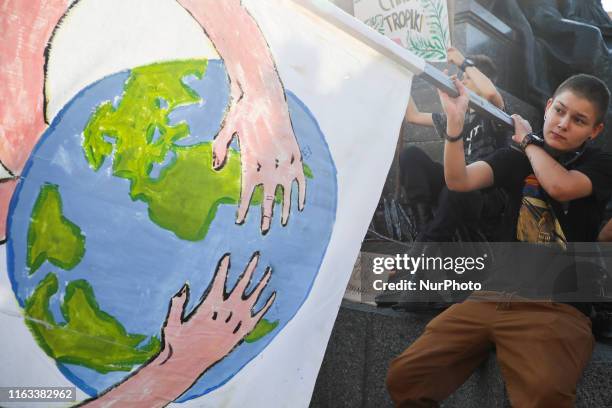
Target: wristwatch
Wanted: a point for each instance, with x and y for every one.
(466, 63)
(531, 138)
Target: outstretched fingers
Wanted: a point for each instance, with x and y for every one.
(221, 144)
(246, 194)
(245, 279)
(286, 204)
(301, 182)
(257, 317)
(218, 285)
(260, 287)
(267, 206)
(177, 307)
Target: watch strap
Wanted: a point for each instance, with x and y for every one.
(531, 138)
(465, 64)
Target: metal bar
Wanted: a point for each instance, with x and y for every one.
(438, 79)
(385, 46)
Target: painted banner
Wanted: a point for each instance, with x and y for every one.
(183, 229)
(422, 26)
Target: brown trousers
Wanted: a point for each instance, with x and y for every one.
(542, 349)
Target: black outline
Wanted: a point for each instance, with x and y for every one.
(235, 134)
(170, 352)
(185, 290)
(46, 53)
(7, 179)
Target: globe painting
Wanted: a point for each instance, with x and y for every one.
(119, 207)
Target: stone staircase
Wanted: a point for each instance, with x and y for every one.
(365, 339)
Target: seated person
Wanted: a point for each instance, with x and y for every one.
(423, 178)
(542, 346)
(474, 212)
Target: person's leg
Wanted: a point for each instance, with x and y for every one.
(422, 179)
(453, 345)
(455, 210)
(542, 349)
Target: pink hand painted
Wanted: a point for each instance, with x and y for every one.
(192, 344)
(219, 322)
(258, 114)
(270, 155)
(26, 30)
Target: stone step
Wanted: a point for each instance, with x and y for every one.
(365, 339)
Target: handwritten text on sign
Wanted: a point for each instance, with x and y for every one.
(418, 25)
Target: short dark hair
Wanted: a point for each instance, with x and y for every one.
(485, 65)
(591, 88)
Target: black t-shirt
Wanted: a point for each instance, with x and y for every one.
(579, 219)
(548, 271)
(481, 136)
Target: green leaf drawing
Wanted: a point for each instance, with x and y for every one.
(377, 23)
(433, 47)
